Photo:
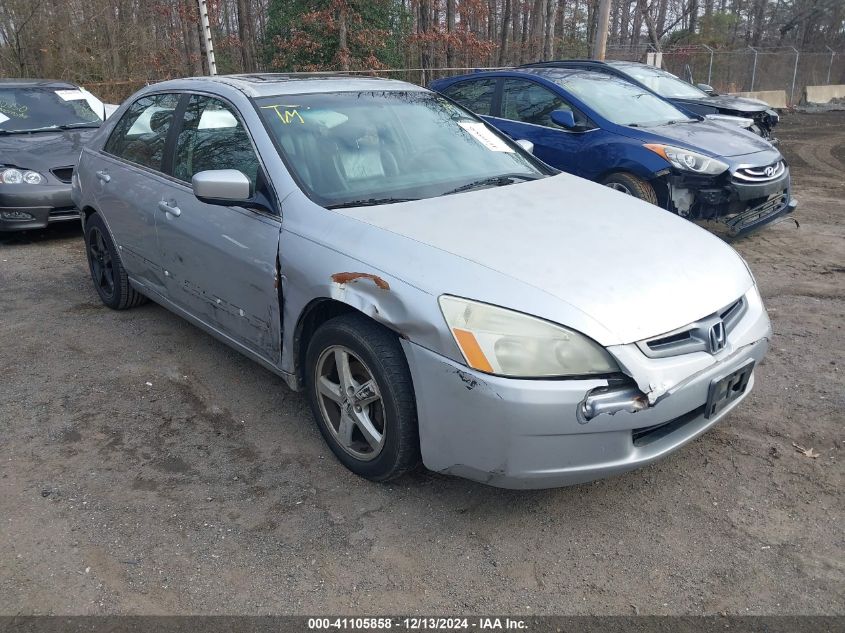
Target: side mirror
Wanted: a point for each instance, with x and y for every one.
(527, 145)
(564, 118)
(221, 186)
(708, 89)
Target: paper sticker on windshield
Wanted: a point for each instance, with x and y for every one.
(484, 136)
(3, 118)
(70, 95)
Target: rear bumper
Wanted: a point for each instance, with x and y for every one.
(527, 433)
(24, 207)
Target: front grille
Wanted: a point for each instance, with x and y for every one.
(765, 173)
(63, 173)
(694, 337)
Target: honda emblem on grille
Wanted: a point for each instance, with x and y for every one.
(770, 171)
(717, 337)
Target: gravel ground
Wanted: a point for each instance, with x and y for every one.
(147, 469)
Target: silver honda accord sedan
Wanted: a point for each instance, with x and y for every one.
(439, 294)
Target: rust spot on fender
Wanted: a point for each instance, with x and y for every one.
(345, 278)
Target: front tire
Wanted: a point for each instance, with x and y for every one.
(632, 185)
(361, 393)
(107, 271)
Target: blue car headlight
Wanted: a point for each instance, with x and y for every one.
(687, 160)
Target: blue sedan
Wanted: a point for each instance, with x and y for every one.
(606, 129)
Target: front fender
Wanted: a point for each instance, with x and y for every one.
(311, 271)
(632, 158)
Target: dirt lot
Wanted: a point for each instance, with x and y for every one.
(146, 468)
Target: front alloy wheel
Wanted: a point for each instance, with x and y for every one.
(350, 402)
(360, 389)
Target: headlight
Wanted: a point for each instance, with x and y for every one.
(739, 121)
(507, 343)
(688, 160)
(18, 176)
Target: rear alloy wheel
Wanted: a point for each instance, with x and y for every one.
(107, 271)
(631, 185)
(361, 394)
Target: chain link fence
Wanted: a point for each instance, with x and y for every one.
(748, 69)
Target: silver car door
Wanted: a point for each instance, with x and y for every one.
(128, 182)
(220, 261)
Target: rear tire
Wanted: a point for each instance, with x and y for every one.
(107, 271)
(362, 396)
(632, 185)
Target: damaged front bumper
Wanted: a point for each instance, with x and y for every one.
(515, 433)
(741, 205)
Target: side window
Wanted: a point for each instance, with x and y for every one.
(140, 135)
(531, 103)
(476, 95)
(212, 137)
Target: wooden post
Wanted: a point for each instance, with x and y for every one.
(600, 43)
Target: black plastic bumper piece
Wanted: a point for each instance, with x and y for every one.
(759, 216)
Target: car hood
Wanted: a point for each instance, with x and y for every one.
(729, 102)
(632, 268)
(711, 137)
(43, 150)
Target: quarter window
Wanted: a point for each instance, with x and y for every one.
(212, 137)
(474, 95)
(531, 103)
(140, 135)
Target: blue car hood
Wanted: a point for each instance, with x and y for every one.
(713, 139)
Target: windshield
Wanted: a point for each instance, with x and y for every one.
(621, 102)
(382, 147)
(663, 83)
(27, 109)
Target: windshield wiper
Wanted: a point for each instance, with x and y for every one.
(73, 126)
(495, 181)
(370, 202)
(52, 128)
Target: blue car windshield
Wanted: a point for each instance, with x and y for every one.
(29, 109)
(379, 147)
(621, 102)
(663, 83)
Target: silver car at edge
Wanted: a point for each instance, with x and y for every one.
(439, 294)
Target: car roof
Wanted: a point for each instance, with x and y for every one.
(573, 63)
(35, 83)
(547, 71)
(553, 72)
(272, 84)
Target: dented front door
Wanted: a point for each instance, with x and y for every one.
(220, 266)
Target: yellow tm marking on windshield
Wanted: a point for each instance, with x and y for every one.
(290, 113)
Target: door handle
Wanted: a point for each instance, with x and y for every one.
(167, 208)
(103, 176)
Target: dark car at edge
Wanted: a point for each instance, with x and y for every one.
(43, 126)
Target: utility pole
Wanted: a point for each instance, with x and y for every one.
(600, 43)
(206, 36)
